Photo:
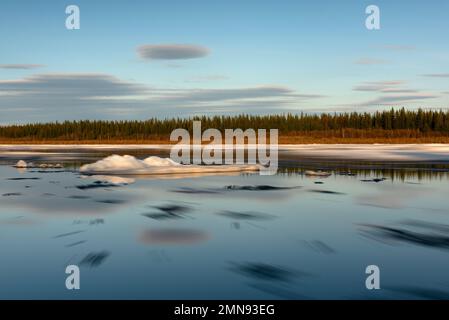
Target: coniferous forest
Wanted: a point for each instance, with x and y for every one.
(384, 126)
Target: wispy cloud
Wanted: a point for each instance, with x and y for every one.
(393, 93)
(21, 66)
(72, 85)
(63, 96)
(436, 75)
(173, 65)
(399, 47)
(207, 78)
(267, 95)
(102, 96)
(370, 61)
(395, 86)
(233, 94)
(400, 99)
(171, 51)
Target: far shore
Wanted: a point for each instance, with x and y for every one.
(287, 140)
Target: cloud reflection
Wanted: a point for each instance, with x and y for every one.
(172, 236)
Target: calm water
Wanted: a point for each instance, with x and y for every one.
(241, 236)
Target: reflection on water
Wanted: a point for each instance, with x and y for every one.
(421, 293)
(288, 236)
(170, 211)
(262, 271)
(432, 235)
(94, 259)
(172, 236)
(319, 246)
(68, 234)
(257, 188)
(247, 215)
(375, 172)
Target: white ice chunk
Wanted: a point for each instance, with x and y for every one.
(111, 179)
(129, 165)
(21, 164)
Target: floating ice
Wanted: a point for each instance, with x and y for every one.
(129, 165)
(48, 165)
(111, 179)
(317, 173)
(156, 161)
(21, 164)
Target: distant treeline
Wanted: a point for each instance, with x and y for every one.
(390, 124)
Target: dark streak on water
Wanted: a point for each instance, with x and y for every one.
(377, 180)
(111, 201)
(75, 243)
(258, 188)
(421, 293)
(326, 192)
(407, 236)
(97, 185)
(170, 211)
(76, 197)
(319, 247)
(95, 259)
(68, 234)
(188, 190)
(246, 215)
(263, 271)
(11, 194)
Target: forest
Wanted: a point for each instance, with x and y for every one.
(399, 125)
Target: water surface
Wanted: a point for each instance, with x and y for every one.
(239, 236)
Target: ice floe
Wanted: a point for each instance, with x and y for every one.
(317, 173)
(129, 165)
(21, 164)
(111, 179)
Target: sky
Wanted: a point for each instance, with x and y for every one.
(157, 58)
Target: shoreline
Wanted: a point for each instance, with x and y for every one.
(364, 152)
(281, 142)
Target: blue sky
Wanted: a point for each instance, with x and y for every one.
(231, 57)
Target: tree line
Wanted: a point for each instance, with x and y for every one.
(420, 122)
